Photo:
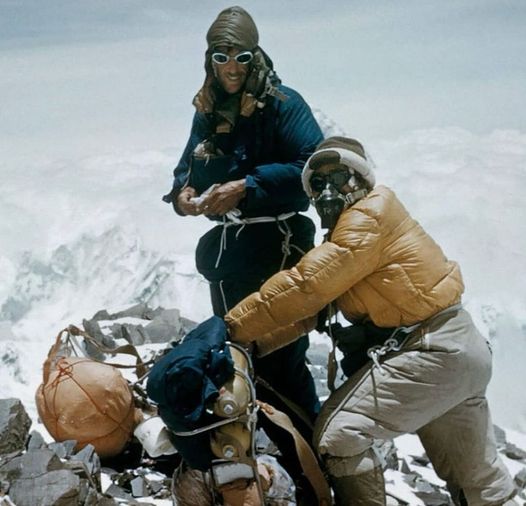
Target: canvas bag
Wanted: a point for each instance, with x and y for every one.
(85, 400)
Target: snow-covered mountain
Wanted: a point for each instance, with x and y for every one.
(103, 270)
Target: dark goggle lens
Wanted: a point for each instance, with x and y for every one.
(241, 58)
(220, 58)
(244, 57)
(339, 179)
(317, 183)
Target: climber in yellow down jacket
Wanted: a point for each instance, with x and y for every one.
(382, 271)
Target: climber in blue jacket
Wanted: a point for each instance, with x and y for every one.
(241, 167)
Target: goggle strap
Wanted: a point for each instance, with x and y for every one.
(353, 197)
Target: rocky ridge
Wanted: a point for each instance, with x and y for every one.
(35, 470)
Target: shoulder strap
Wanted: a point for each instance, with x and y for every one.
(127, 349)
(325, 325)
(306, 456)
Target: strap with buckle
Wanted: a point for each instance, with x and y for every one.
(401, 335)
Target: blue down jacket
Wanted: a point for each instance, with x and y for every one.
(269, 148)
(186, 380)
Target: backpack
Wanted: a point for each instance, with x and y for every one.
(85, 400)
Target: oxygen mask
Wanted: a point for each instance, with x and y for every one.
(329, 205)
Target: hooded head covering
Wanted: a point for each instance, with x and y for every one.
(344, 151)
(234, 27)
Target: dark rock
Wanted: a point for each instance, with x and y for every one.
(89, 458)
(500, 437)
(116, 331)
(139, 487)
(388, 451)
(101, 315)
(92, 328)
(4, 487)
(59, 450)
(154, 313)
(187, 326)
(411, 478)
(55, 488)
(404, 467)
(109, 471)
(83, 473)
(63, 449)
(165, 328)
(14, 426)
(421, 460)
(423, 486)
(435, 498)
(31, 464)
(513, 452)
(141, 311)
(84, 491)
(134, 334)
(520, 478)
(165, 492)
(430, 494)
(123, 479)
(118, 492)
(85, 454)
(155, 486)
(105, 501)
(69, 445)
(8, 457)
(36, 441)
(95, 498)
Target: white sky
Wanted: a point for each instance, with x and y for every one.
(87, 77)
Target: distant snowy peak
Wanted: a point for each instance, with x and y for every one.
(328, 126)
(107, 270)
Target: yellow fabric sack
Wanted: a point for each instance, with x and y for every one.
(87, 401)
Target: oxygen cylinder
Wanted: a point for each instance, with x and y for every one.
(231, 441)
(234, 396)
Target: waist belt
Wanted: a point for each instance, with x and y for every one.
(401, 335)
(232, 218)
(435, 322)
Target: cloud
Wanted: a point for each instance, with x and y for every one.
(85, 78)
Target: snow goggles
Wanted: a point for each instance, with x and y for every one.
(338, 179)
(241, 58)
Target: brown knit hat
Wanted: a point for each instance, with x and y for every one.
(233, 27)
(343, 151)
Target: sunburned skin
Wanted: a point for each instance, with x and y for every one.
(231, 75)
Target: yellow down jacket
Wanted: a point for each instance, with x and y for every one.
(379, 264)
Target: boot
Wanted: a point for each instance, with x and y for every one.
(365, 489)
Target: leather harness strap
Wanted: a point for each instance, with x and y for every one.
(306, 456)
